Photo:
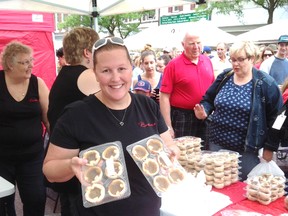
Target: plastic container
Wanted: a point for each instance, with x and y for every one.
(265, 188)
(152, 158)
(105, 177)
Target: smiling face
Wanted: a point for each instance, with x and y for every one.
(282, 50)
(113, 71)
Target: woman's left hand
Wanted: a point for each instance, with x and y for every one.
(200, 111)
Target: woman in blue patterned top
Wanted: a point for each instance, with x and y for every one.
(243, 104)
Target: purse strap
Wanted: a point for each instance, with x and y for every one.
(224, 80)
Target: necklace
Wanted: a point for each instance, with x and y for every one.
(121, 123)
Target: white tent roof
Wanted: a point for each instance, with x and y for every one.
(125, 6)
(104, 7)
(266, 34)
(51, 6)
(172, 35)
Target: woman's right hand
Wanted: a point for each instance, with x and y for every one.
(200, 111)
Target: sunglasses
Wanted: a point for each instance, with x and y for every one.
(267, 55)
(102, 42)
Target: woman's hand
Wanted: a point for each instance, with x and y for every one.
(155, 94)
(267, 155)
(76, 166)
(171, 131)
(200, 111)
(174, 151)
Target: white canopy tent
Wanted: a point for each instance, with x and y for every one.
(104, 7)
(266, 34)
(51, 6)
(158, 36)
(125, 6)
(172, 35)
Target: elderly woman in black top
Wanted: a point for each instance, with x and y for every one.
(23, 109)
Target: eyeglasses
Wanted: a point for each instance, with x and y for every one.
(239, 60)
(267, 55)
(26, 62)
(102, 42)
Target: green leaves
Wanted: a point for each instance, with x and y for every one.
(72, 21)
(123, 24)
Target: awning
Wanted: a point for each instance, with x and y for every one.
(104, 7)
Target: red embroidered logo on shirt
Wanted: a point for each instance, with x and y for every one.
(144, 125)
(33, 100)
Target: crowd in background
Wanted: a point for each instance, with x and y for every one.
(229, 96)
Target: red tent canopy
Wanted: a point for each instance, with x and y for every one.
(35, 30)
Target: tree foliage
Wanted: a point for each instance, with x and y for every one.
(270, 6)
(116, 24)
(72, 21)
(226, 7)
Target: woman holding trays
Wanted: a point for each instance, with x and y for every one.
(244, 103)
(74, 82)
(109, 115)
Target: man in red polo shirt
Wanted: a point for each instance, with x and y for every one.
(186, 79)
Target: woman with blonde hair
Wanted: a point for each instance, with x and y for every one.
(242, 105)
(23, 110)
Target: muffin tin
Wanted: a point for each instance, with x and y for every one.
(104, 177)
(152, 157)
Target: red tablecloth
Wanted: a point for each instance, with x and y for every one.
(236, 192)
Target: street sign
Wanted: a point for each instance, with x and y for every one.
(182, 18)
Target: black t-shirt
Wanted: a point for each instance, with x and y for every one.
(64, 91)
(88, 123)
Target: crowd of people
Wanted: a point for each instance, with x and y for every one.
(231, 101)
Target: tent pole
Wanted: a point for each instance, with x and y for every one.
(95, 15)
